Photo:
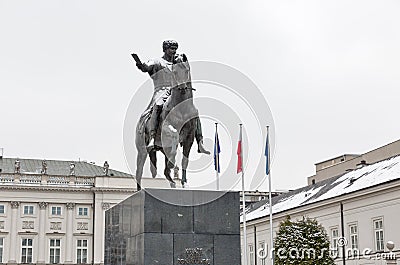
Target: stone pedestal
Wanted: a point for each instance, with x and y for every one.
(171, 227)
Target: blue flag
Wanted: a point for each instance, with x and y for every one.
(267, 155)
(217, 150)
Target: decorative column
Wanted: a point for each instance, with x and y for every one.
(106, 206)
(13, 233)
(98, 230)
(42, 232)
(70, 219)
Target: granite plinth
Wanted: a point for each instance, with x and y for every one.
(171, 227)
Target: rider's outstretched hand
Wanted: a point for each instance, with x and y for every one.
(141, 67)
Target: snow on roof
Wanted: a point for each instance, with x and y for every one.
(367, 176)
(364, 177)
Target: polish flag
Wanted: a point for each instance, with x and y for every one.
(239, 153)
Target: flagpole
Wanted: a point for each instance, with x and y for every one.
(243, 204)
(270, 198)
(216, 155)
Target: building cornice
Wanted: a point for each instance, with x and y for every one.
(44, 188)
(111, 189)
(66, 188)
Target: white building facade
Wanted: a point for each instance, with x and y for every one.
(360, 211)
(57, 216)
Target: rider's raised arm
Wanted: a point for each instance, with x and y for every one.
(148, 67)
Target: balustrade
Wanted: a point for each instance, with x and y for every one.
(39, 179)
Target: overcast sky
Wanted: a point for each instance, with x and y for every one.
(329, 70)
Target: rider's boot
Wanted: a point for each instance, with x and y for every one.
(153, 126)
(199, 138)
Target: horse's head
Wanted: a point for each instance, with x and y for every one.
(182, 79)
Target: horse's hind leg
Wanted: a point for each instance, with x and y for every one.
(167, 171)
(141, 158)
(153, 163)
(187, 145)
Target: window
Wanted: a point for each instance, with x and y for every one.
(28, 209)
(83, 211)
(55, 249)
(1, 249)
(1, 208)
(334, 241)
(251, 254)
(81, 251)
(56, 210)
(353, 238)
(378, 231)
(27, 249)
(262, 252)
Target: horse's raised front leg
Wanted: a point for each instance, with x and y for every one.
(187, 145)
(141, 158)
(153, 163)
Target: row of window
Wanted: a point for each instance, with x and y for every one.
(262, 253)
(54, 210)
(353, 236)
(55, 250)
(352, 241)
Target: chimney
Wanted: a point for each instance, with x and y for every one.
(363, 163)
(1, 152)
(351, 180)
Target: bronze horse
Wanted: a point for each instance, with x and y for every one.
(176, 126)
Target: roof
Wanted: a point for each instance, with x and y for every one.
(359, 179)
(57, 167)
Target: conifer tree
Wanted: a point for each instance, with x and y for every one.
(302, 242)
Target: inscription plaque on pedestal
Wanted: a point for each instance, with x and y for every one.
(148, 229)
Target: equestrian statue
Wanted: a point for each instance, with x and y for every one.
(171, 117)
